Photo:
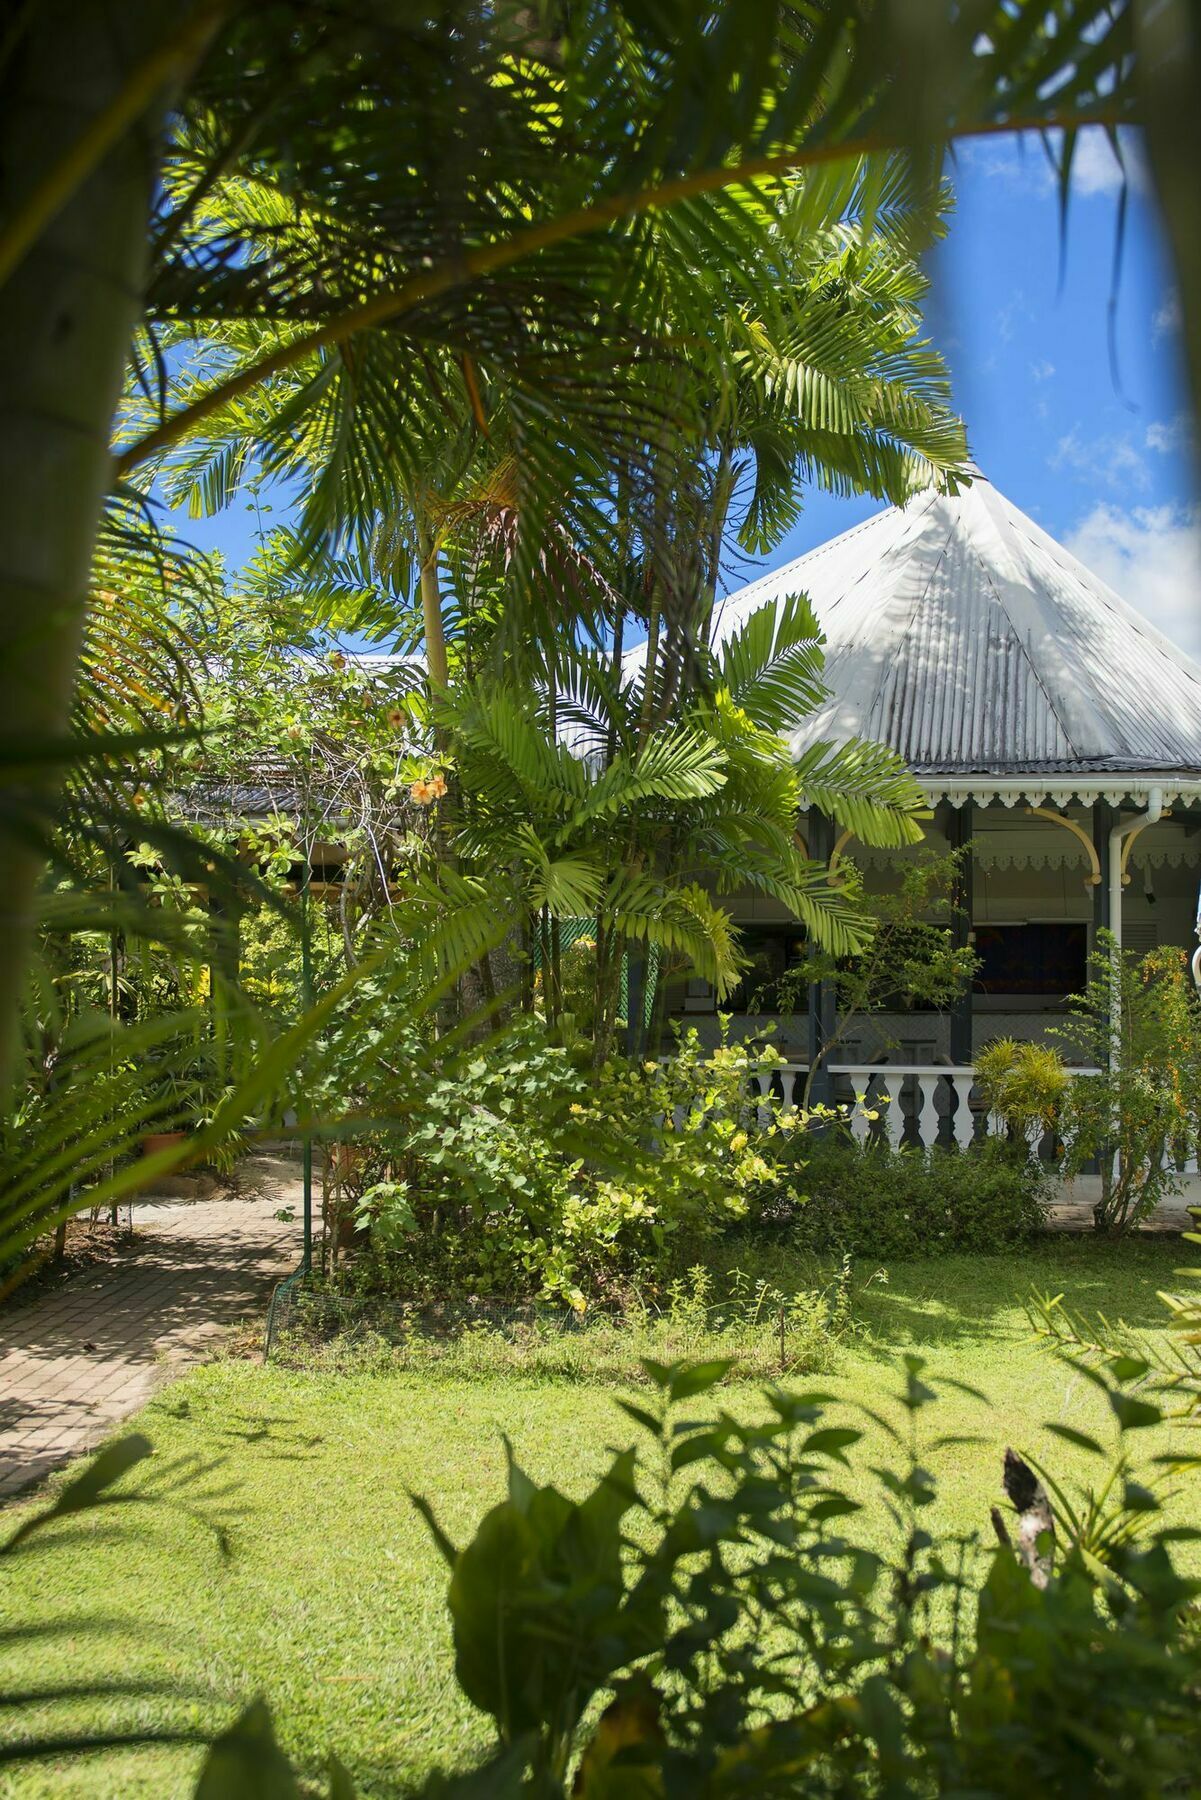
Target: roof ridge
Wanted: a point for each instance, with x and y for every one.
(829, 545)
(1073, 706)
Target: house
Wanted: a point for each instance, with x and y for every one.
(1054, 731)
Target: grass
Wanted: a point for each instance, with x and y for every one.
(332, 1601)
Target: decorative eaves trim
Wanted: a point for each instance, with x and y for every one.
(1034, 790)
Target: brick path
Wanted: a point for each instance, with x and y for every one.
(76, 1360)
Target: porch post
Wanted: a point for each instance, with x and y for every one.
(959, 831)
(821, 1020)
(1105, 818)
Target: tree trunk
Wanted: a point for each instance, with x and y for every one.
(67, 314)
(436, 661)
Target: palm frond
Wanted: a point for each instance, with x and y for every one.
(680, 918)
(675, 765)
(867, 788)
(772, 664)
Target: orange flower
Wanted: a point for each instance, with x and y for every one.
(421, 792)
(437, 787)
(395, 718)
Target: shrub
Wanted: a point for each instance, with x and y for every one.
(875, 1201)
(751, 1634)
(528, 1175)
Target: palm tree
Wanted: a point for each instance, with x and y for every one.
(474, 168)
(645, 837)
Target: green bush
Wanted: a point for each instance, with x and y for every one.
(754, 1629)
(876, 1201)
(526, 1175)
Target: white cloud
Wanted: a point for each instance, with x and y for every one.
(1152, 556)
(1019, 162)
(1023, 163)
(1166, 435)
(1015, 309)
(1167, 317)
(1096, 169)
(1042, 371)
(1112, 462)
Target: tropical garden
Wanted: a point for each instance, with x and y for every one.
(511, 325)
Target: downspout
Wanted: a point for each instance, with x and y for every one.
(1120, 832)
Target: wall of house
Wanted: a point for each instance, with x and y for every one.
(1027, 871)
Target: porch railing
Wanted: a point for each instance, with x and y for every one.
(914, 1103)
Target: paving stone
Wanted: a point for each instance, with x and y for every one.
(78, 1360)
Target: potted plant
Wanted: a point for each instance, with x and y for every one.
(182, 1088)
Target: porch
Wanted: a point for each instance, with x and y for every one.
(923, 1106)
(1043, 870)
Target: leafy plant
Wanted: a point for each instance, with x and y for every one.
(523, 1175)
(1139, 1024)
(726, 1607)
(1024, 1085)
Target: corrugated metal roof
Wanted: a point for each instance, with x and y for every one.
(962, 635)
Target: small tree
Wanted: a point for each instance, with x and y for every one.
(911, 958)
(1139, 1022)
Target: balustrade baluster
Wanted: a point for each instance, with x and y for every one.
(894, 1119)
(963, 1124)
(927, 1112)
(862, 1081)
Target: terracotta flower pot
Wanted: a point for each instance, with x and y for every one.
(162, 1140)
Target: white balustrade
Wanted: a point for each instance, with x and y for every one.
(936, 1093)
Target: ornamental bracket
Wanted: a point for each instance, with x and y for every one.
(1093, 878)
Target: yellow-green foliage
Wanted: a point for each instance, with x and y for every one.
(1024, 1084)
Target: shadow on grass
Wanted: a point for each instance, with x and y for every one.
(965, 1300)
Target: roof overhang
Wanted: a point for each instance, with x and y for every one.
(1060, 789)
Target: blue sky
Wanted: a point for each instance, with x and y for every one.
(1100, 458)
(1103, 464)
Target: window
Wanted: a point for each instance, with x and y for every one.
(772, 950)
(1048, 959)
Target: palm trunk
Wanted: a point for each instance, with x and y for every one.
(436, 662)
(67, 314)
(723, 494)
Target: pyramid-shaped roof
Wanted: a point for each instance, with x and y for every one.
(963, 636)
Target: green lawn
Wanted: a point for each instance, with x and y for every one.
(331, 1603)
